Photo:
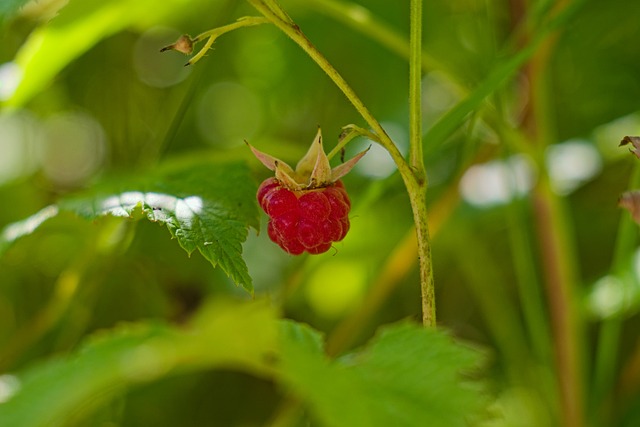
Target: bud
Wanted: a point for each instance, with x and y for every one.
(183, 45)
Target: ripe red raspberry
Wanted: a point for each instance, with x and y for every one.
(308, 207)
(305, 220)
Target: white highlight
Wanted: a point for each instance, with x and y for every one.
(497, 182)
(10, 77)
(9, 385)
(572, 163)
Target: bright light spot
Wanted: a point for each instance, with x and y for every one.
(336, 288)
(607, 297)
(153, 68)
(73, 149)
(572, 163)
(20, 135)
(9, 385)
(162, 205)
(131, 198)
(378, 163)
(187, 208)
(636, 264)
(10, 77)
(161, 201)
(228, 113)
(122, 204)
(359, 14)
(28, 225)
(497, 182)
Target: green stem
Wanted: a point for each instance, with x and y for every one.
(417, 187)
(559, 259)
(606, 360)
(413, 179)
(213, 34)
(415, 90)
(295, 34)
(560, 280)
(349, 133)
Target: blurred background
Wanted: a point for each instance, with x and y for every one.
(522, 190)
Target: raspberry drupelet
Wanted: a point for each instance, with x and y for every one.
(308, 207)
(309, 220)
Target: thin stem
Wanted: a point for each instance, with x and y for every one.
(417, 188)
(278, 10)
(213, 34)
(349, 133)
(294, 32)
(606, 360)
(396, 267)
(559, 259)
(560, 281)
(413, 179)
(415, 90)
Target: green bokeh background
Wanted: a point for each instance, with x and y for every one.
(118, 107)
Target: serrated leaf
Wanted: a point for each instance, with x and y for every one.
(224, 334)
(206, 206)
(407, 376)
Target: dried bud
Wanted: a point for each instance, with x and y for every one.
(631, 201)
(633, 140)
(183, 45)
(312, 171)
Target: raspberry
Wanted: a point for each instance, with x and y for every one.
(308, 206)
(305, 220)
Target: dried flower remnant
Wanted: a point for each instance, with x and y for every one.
(631, 202)
(183, 45)
(634, 141)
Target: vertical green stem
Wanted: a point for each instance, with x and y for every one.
(417, 186)
(609, 333)
(556, 245)
(418, 201)
(413, 175)
(415, 88)
(560, 281)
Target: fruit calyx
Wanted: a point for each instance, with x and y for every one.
(312, 171)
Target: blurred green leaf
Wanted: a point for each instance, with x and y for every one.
(595, 68)
(224, 334)
(205, 206)
(302, 335)
(407, 376)
(9, 7)
(79, 26)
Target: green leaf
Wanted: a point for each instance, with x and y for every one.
(206, 206)
(9, 7)
(304, 336)
(78, 27)
(224, 334)
(407, 376)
